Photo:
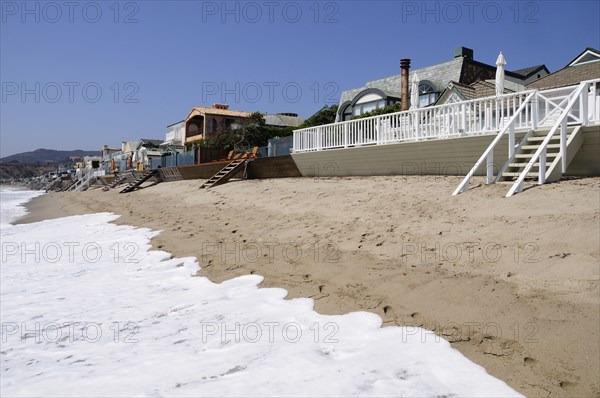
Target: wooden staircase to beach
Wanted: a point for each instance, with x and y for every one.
(553, 166)
(169, 174)
(224, 174)
(118, 180)
(139, 181)
(55, 185)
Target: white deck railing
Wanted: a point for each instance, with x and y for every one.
(476, 117)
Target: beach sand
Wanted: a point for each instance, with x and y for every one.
(513, 283)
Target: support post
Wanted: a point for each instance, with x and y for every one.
(542, 168)
(563, 145)
(345, 135)
(490, 168)
(416, 123)
(535, 111)
(584, 105)
(511, 140)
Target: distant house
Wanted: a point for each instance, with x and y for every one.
(461, 71)
(202, 122)
(532, 73)
(283, 120)
(585, 66)
(175, 134)
(138, 154)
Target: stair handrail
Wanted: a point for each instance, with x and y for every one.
(560, 122)
(84, 180)
(464, 184)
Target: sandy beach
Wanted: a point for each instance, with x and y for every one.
(511, 283)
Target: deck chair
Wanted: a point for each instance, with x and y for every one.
(250, 155)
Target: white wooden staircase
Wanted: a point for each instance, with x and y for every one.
(550, 144)
(531, 144)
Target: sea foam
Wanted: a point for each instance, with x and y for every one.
(89, 309)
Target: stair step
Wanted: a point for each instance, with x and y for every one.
(522, 165)
(530, 155)
(542, 138)
(549, 146)
(516, 174)
(224, 174)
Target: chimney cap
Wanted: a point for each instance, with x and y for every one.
(220, 106)
(405, 63)
(463, 52)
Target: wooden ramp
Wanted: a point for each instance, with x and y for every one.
(169, 174)
(225, 174)
(139, 181)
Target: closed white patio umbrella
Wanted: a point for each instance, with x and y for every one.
(500, 62)
(414, 91)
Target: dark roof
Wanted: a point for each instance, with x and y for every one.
(568, 76)
(526, 72)
(584, 51)
(152, 142)
(173, 124)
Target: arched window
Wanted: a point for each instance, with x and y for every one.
(347, 113)
(427, 94)
(192, 130)
(212, 125)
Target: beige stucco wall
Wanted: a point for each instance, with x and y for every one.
(453, 156)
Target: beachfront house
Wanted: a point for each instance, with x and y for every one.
(203, 122)
(283, 120)
(138, 154)
(486, 121)
(110, 158)
(462, 70)
(585, 66)
(175, 135)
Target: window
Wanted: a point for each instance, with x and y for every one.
(347, 114)
(212, 125)
(192, 130)
(359, 109)
(427, 94)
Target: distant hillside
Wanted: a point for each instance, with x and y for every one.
(17, 171)
(43, 156)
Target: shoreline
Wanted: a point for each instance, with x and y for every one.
(512, 283)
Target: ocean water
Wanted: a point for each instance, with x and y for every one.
(89, 309)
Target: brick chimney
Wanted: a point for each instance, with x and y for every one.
(220, 106)
(405, 66)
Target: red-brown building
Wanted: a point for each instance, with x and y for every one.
(202, 122)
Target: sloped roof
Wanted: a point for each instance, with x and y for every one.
(173, 124)
(283, 120)
(526, 72)
(150, 141)
(487, 89)
(588, 49)
(568, 76)
(202, 110)
(444, 72)
(479, 89)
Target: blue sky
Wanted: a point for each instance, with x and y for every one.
(80, 74)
